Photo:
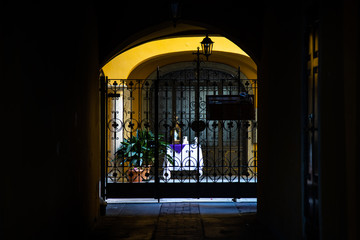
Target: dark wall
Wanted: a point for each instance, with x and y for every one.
(339, 144)
(49, 67)
(124, 23)
(280, 71)
(280, 76)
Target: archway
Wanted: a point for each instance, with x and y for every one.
(137, 96)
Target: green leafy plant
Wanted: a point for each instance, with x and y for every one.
(139, 149)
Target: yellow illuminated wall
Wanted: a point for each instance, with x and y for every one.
(121, 66)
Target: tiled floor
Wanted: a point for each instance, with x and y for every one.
(180, 220)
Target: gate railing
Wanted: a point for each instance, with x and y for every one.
(214, 150)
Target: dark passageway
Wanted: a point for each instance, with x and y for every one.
(307, 58)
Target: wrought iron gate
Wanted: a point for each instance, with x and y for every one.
(198, 136)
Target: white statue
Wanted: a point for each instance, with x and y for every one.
(176, 135)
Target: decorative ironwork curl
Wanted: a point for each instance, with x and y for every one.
(115, 125)
(131, 125)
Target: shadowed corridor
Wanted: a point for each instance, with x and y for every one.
(306, 61)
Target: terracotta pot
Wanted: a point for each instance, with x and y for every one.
(146, 173)
(135, 175)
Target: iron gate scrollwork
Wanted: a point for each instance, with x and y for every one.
(210, 157)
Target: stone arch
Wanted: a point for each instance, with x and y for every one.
(185, 28)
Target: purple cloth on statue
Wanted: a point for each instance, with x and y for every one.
(177, 147)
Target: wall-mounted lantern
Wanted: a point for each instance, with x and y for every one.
(207, 46)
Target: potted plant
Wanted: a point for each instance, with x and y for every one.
(138, 153)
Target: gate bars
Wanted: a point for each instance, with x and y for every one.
(218, 151)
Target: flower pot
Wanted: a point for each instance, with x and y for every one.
(146, 173)
(135, 175)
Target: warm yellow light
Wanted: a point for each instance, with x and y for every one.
(121, 66)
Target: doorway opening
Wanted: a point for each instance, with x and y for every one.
(185, 129)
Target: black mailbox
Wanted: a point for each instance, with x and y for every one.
(230, 107)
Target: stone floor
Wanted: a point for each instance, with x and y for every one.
(180, 220)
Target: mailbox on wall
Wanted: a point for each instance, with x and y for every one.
(230, 107)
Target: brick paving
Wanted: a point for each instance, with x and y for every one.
(179, 220)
